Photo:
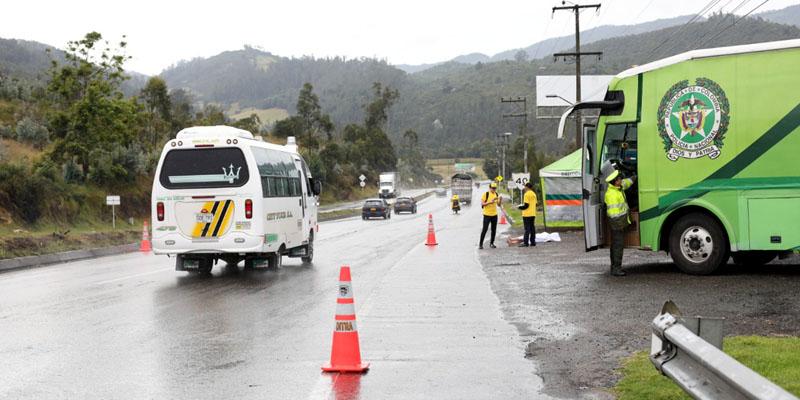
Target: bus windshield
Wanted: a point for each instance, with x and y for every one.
(204, 168)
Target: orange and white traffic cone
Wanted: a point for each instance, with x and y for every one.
(345, 353)
(145, 239)
(431, 234)
(502, 216)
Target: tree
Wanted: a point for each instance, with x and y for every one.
(89, 110)
(311, 117)
(521, 56)
(158, 108)
(182, 110)
(29, 131)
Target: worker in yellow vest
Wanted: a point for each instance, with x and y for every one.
(528, 208)
(617, 211)
(489, 201)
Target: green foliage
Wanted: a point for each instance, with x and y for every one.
(72, 173)
(158, 109)
(22, 191)
(90, 113)
(29, 131)
(6, 131)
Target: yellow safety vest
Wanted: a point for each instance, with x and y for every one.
(530, 198)
(491, 208)
(616, 206)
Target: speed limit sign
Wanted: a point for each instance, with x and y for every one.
(520, 179)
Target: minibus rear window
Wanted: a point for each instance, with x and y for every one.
(204, 168)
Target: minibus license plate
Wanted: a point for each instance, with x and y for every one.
(205, 218)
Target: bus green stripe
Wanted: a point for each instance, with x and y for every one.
(722, 178)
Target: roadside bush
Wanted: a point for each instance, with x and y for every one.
(7, 131)
(47, 168)
(21, 191)
(118, 166)
(29, 131)
(72, 173)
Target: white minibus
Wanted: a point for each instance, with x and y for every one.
(221, 194)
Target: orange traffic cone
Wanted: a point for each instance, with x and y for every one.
(145, 239)
(431, 235)
(502, 215)
(345, 354)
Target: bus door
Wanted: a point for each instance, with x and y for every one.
(591, 201)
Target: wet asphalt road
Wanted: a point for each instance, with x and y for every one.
(577, 321)
(130, 327)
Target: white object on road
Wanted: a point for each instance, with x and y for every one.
(544, 237)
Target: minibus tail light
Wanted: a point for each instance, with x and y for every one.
(248, 208)
(160, 211)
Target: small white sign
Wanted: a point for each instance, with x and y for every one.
(362, 184)
(112, 200)
(362, 178)
(520, 179)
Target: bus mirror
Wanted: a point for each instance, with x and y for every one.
(317, 188)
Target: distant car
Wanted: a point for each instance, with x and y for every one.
(405, 203)
(376, 208)
(441, 192)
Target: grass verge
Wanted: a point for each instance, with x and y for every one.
(775, 358)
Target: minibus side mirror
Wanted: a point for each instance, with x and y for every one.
(317, 188)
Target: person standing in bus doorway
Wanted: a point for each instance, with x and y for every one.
(489, 202)
(617, 210)
(528, 208)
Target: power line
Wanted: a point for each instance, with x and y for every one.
(544, 35)
(705, 9)
(734, 22)
(719, 22)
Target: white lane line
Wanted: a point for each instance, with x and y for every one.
(135, 276)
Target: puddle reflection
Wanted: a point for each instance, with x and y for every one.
(345, 386)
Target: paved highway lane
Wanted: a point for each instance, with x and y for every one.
(132, 327)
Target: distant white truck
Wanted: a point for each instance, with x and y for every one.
(387, 185)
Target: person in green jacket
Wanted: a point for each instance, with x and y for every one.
(617, 210)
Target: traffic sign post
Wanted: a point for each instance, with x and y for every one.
(362, 178)
(113, 201)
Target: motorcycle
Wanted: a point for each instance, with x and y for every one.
(456, 206)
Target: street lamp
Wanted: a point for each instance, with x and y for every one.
(553, 96)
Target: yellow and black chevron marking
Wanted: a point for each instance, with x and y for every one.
(222, 211)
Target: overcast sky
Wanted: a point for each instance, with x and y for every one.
(161, 33)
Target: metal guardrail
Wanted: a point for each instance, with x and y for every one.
(703, 370)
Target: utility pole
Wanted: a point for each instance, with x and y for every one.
(524, 114)
(577, 55)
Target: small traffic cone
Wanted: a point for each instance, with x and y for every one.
(345, 353)
(431, 235)
(502, 216)
(145, 239)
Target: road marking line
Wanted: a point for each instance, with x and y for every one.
(134, 276)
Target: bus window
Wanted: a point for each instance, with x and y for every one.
(619, 144)
(204, 168)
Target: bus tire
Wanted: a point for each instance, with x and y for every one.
(697, 244)
(310, 249)
(753, 258)
(275, 260)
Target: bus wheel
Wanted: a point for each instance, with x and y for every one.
(275, 260)
(310, 250)
(753, 258)
(697, 244)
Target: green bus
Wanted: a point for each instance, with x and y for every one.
(713, 136)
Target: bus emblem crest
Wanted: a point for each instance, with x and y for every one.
(693, 120)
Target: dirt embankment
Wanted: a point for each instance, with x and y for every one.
(26, 244)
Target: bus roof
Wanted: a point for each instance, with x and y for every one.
(708, 53)
(213, 131)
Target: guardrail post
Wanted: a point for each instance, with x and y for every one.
(703, 370)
